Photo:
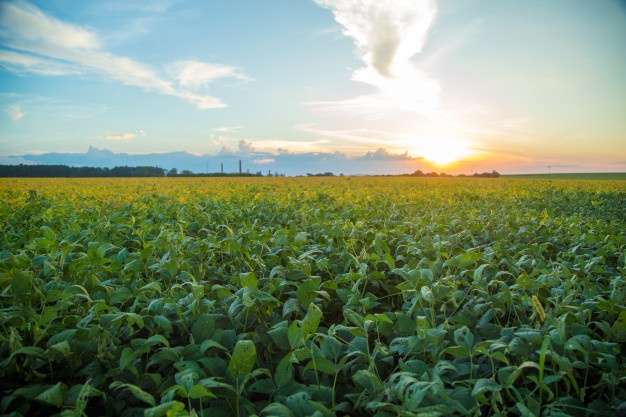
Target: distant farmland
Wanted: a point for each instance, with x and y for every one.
(574, 176)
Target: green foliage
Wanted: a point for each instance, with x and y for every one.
(312, 297)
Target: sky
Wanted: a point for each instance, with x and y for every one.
(350, 86)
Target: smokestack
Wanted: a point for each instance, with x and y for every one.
(222, 165)
(240, 166)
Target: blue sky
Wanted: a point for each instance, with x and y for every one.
(391, 86)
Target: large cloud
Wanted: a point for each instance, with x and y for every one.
(387, 34)
(44, 45)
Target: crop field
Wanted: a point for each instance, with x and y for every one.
(368, 296)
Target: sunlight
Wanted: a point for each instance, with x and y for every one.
(444, 151)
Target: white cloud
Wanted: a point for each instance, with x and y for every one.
(227, 129)
(120, 136)
(246, 147)
(359, 136)
(30, 28)
(387, 34)
(382, 154)
(44, 45)
(197, 74)
(19, 62)
(282, 146)
(264, 161)
(15, 112)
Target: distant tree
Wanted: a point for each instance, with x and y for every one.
(492, 174)
(64, 171)
(172, 172)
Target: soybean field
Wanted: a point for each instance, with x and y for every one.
(339, 296)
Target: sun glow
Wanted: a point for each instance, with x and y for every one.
(443, 151)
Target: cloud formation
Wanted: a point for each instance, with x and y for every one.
(44, 45)
(199, 74)
(120, 136)
(15, 112)
(282, 162)
(387, 34)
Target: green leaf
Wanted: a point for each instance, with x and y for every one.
(279, 335)
(619, 327)
(368, 380)
(311, 321)
(277, 410)
(391, 263)
(203, 328)
(170, 408)
(483, 272)
(322, 365)
(21, 283)
(242, 359)
(294, 334)
(164, 323)
(299, 404)
(198, 391)
(123, 255)
(485, 385)
(306, 292)
(248, 279)
(458, 351)
(127, 358)
(427, 294)
(291, 306)
(62, 347)
(102, 250)
(49, 234)
(186, 379)
(464, 337)
(79, 394)
(214, 383)
(135, 391)
(262, 386)
(284, 371)
(53, 395)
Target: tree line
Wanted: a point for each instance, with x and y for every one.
(64, 171)
(419, 173)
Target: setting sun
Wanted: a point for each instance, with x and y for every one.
(444, 151)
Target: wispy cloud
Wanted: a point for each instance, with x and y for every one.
(387, 34)
(199, 74)
(360, 136)
(119, 136)
(227, 129)
(44, 45)
(263, 161)
(15, 112)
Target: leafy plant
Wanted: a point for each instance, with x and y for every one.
(312, 296)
